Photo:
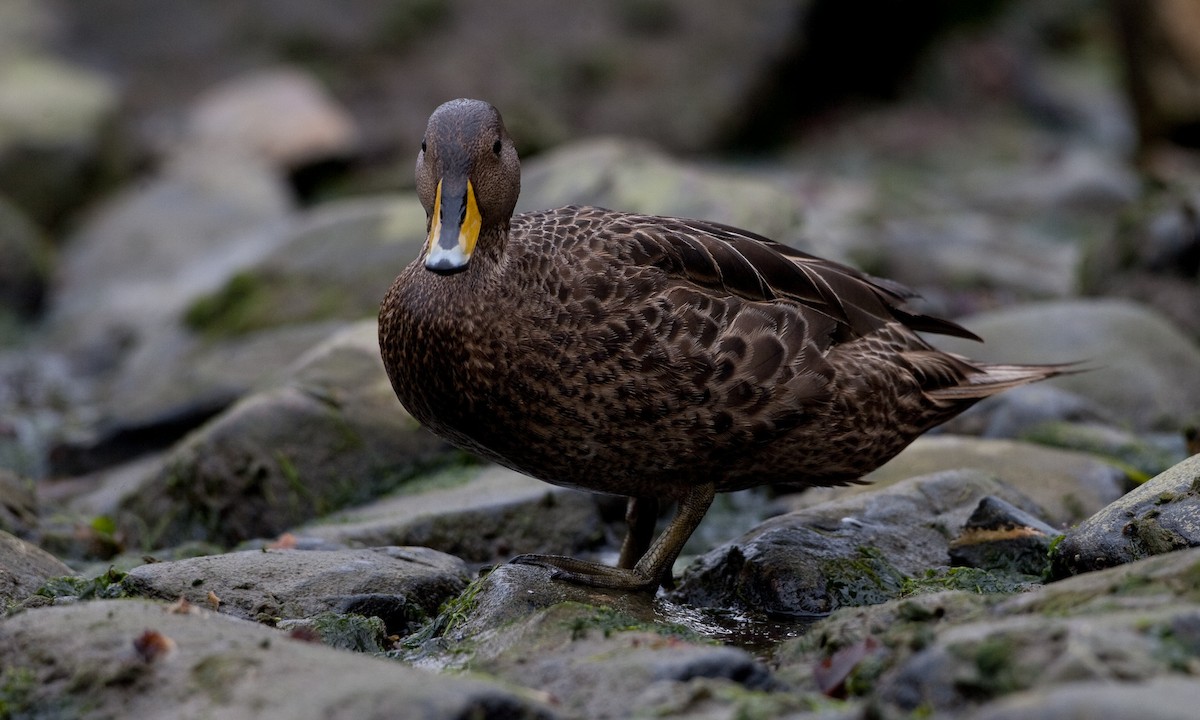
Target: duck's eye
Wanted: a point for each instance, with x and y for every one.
(422, 144)
(496, 146)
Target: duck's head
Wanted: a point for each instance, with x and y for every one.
(468, 179)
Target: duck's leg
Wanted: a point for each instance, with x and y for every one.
(641, 515)
(651, 569)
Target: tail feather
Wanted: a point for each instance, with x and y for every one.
(992, 379)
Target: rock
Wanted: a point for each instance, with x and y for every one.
(332, 435)
(973, 249)
(1067, 486)
(634, 177)
(24, 265)
(57, 143)
(1167, 698)
(963, 654)
(970, 664)
(228, 325)
(18, 504)
(1140, 368)
(482, 514)
(280, 115)
(136, 658)
(856, 550)
(173, 383)
(334, 262)
(1142, 457)
(23, 569)
(402, 586)
(25, 26)
(1004, 538)
(1154, 582)
(596, 653)
(138, 261)
(1161, 515)
(680, 77)
(1010, 415)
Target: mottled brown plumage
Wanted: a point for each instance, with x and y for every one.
(657, 358)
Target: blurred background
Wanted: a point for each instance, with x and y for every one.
(192, 194)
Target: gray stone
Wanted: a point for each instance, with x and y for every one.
(598, 654)
(1166, 698)
(331, 436)
(333, 262)
(137, 262)
(1015, 412)
(969, 664)
(973, 249)
(850, 551)
(23, 569)
(1161, 515)
(1067, 486)
(512, 594)
(483, 514)
(681, 77)
(202, 664)
(402, 586)
(635, 177)
(56, 134)
(958, 653)
(1143, 456)
(280, 115)
(26, 26)
(1153, 582)
(1142, 369)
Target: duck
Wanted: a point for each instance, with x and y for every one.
(661, 359)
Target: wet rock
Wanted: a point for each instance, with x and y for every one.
(597, 654)
(1160, 516)
(280, 115)
(1141, 368)
(855, 550)
(136, 658)
(482, 514)
(1001, 537)
(332, 435)
(18, 504)
(401, 586)
(57, 142)
(23, 569)
(513, 593)
(634, 177)
(1066, 486)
